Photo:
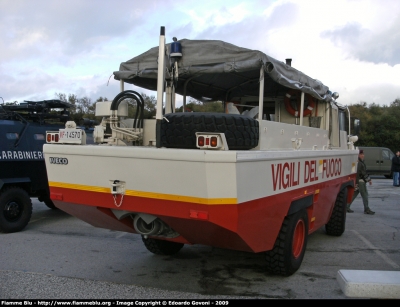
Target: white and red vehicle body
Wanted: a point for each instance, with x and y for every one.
(293, 181)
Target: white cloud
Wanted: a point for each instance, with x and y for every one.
(352, 46)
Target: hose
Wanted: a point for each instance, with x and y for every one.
(140, 105)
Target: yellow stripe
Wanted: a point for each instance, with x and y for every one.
(197, 200)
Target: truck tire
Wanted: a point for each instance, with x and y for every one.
(49, 203)
(178, 130)
(337, 223)
(288, 252)
(15, 209)
(162, 247)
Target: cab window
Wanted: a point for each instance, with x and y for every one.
(38, 136)
(12, 136)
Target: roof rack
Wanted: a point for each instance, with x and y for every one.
(37, 111)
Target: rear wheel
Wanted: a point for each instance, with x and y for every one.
(288, 252)
(44, 197)
(337, 223)
(162, 247)
(15, 209)
(390, 176)
(49, 203)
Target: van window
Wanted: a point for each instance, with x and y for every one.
(386, 155)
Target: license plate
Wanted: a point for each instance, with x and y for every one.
(71, 135)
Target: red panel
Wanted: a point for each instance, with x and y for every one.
(250, 226)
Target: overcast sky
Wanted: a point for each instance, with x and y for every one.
(73, 46)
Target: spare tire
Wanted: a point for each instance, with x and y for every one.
(178, 130)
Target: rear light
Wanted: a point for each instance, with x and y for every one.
(209, 140)
(52, 137)
(200, 141)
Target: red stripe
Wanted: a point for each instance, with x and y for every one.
(249, 226)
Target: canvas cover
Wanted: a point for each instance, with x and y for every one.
(220, 71)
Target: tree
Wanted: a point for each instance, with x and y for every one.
(82, 107)
(199, 106)
(380, 125)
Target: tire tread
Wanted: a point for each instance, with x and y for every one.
(178, 130)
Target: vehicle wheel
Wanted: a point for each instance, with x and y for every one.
(49, 203)
(162, 247)
(178, 130)
(288, 252)
(15, 209)
(337, 223)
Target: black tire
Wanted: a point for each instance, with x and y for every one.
(15, 209)
(389, 176)
(45, 198)
(162, 247)
(178, 130)
(337, 223)
(288, 252)
(49, 203)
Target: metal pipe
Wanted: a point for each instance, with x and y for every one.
(160, 85)
(160, 74)
(301, 108)
(261, 94)
(168, 98)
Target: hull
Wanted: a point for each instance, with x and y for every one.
(228, 199)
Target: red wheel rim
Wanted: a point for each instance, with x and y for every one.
(298, 238)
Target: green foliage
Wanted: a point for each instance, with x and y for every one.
(198, 106)
(380, 126)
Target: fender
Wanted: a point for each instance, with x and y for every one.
(6, 181)
(349, 185)
(301, 203)
(296, 113)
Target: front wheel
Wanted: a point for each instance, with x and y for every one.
(288, 252)
(162, 247)
(15, 209)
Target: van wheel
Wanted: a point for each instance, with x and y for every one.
(162, 247)
(288, 252)
(15, 209)
(337, 223)
(178, 130)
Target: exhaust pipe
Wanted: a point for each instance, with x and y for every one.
(148, 225)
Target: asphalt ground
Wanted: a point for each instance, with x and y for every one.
(60, 257)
